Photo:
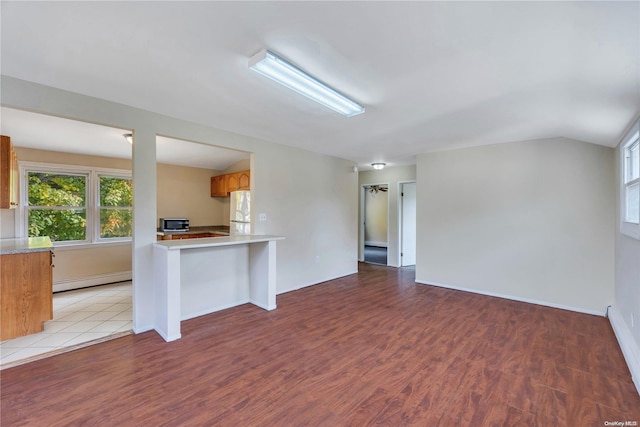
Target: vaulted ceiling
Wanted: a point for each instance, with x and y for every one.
(431, 75)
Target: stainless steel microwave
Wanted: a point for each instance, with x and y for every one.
(174, 224)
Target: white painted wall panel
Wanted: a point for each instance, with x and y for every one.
(530, 220)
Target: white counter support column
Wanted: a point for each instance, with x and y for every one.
(262, 290)
(166, 280)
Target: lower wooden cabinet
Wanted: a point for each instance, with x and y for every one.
(26, 293)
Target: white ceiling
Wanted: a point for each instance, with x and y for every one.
(38, 131)
(432, 75)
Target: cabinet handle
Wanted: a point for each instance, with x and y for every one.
(13, 204)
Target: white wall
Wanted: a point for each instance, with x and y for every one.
(309, 198)
(527, 220)
(392, 176)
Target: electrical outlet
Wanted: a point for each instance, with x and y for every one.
(317, 259)
(263, 217)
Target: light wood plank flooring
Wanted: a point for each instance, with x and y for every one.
(371, 348)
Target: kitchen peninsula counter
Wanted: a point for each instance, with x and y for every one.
(23, 245)
(194, 277)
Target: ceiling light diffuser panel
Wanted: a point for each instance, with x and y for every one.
(278, 69)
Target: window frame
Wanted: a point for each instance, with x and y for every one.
(99, 173)
(630, 229)
(92, 201)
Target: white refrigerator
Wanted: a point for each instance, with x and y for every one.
(240, 215)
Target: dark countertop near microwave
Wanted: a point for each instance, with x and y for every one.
(220, 229)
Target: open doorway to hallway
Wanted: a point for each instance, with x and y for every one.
(376, 217)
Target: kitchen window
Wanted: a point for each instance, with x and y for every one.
(74, 205)
(630, 194)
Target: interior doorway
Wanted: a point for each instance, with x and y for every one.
(375, 218)
(407, 224)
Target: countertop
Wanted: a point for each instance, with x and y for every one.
(25, 245)
(207, 242)
(220, 229)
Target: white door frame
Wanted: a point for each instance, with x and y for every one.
(400, 183)
(362, 217)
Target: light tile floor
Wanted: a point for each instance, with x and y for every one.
(79, 316)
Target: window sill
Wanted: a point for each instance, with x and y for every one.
(84, 245)
(630, 230)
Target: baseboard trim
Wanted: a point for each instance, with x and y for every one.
(85, 282)
(317, 283)
(628, 345)
(378, 244)
(213, 310)
(515, 298)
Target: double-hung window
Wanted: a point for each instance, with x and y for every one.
(630, 193)
(74, 205)
(57, 205)
(115, 206)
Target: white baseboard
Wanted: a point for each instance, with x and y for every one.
(316, 283)
(378, 244)
(628, 345)
(515, 298)
(85, 282)
(213, 310)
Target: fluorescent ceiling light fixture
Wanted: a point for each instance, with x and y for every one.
(271, 65)
(378, 166)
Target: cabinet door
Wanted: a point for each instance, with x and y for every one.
(219, 186)
(232, 182)
(8, 174)
(244, 180)
(26, 293)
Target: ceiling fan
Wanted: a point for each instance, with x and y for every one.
(374, 189)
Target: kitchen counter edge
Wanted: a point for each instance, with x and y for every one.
(207, 242)
(23, 245)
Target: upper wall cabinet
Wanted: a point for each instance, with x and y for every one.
(8, 174)
(222, 185)
(219, 186)
(244, 180)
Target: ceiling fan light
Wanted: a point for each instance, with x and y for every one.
(378, 166)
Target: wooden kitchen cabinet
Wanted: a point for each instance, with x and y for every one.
(222, 185)
(26, 293)
(219, 186)
(9, 189)
(232, 183)
(244, 180)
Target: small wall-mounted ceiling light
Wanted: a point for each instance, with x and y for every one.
(128, 137)
(278, 69)
(378, 166)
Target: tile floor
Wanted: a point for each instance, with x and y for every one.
(79, 316)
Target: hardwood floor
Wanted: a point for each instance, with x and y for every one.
(371, 348)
